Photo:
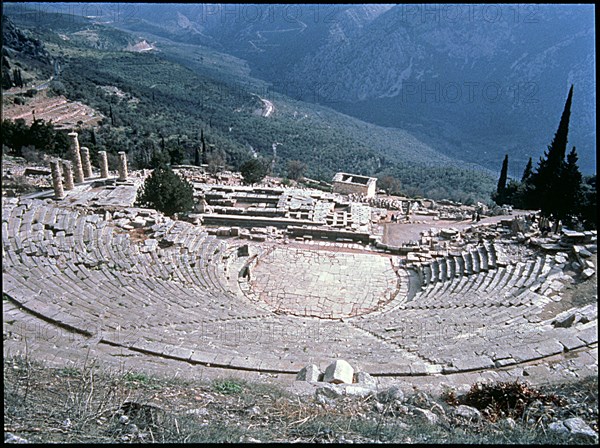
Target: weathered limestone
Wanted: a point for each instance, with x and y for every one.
(309, 373)
(68, 174)
(122, 165)
(57, 180)
(339, 372)
(76, 157)
(103, 164)
(87, 163)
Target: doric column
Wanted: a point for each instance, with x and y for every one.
(76, 157)
(68, 173)
(87, 164)
(122, 165)
(57, 180)
(103, 164)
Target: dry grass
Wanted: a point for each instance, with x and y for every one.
(89, 404)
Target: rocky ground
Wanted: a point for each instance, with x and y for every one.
(87, 405)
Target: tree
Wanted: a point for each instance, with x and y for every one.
(177, 155)
(295, 169)
(253, 171)
(197, 156)
(546, 188)
(215, 161)
(503, 176)
(571, 194)
(165, 191)
(528, 172)
(160, 159)
(389, 184)
(203, 141)
(588, 208)
(500, 195)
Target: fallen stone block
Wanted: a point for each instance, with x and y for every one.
(391, 394)
(579, 428)
(357, 390)
(339, 372)
(468, 412)
(364, 379)
(426, 416)
(558, 428)
(329, 391)
(309, 373)
(587, 273)
(564, 322)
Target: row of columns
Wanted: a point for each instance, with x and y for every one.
(80, 167)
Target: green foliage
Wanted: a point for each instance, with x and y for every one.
(503, 176)
(40, 135)
(389, 184)
(295, 169)
(165, 191)
(253, 171)
(557, 187)
(215, 161)
(160, 159)
(228, 386)
(177, 154)
(589, 209)
(547, 188)
(528, 172)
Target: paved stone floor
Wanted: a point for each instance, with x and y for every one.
(322, 283)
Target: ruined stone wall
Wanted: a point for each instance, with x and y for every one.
(351, 188)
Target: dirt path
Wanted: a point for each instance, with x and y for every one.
(398, 233)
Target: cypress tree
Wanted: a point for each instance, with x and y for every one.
(499, 196)
(197, 156)
(527, 173)
(204, 155)
(503, 176)
(545, 179)
(571, 188)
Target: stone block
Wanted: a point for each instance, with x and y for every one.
(339, 372)
(223, 231)
(357, 390)
(390, 395)
(426, 416)
(579, 428)
(309, 373)
(364, 379)
(587, 273)
(467, 412)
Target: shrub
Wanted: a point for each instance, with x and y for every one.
(165, 191)
(253, 171)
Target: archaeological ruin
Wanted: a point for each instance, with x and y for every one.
(270, 279)
(344, 183)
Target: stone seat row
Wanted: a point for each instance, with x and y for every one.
(481, 258)
(107, 245)
(119, 260)
(495, 287)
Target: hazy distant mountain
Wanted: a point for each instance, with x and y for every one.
(475, 81)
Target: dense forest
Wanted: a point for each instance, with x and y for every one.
(165, 108)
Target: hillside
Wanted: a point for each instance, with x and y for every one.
(179, 93)
(472, 81)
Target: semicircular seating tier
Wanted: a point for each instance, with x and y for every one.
(181, 299)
